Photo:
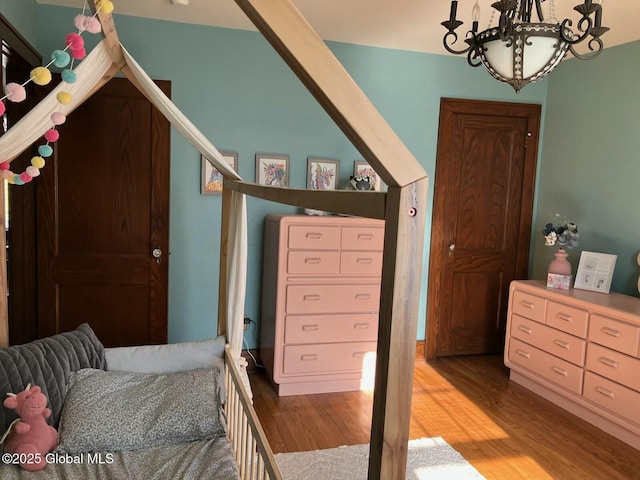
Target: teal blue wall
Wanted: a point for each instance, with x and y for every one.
(22, 15)
(590, 169)
(236, 89)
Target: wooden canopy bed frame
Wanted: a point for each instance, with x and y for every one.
(402, 206)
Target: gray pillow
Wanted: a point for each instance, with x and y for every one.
(110, 411)
(47, 363)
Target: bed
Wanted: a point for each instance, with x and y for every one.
(150, 412)
(403, 207)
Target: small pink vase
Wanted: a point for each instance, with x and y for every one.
(560, 265)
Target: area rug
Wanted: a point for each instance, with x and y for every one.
(427, 458)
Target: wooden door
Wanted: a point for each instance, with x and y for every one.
(18, 59)
(483, 202)
(103, 206)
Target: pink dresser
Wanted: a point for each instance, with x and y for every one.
(580, 350)
(320, 301)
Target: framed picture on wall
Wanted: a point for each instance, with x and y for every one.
(272, 170)
(211, 178)
(362, 168)
(595, 271)
(322, 173)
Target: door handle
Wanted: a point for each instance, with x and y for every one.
(157, 254)
(452, 247)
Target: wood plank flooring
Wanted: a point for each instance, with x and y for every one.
(502, 429)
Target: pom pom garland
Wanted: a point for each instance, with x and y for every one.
(74, 40)
(68, 76)
(32, 171)
(52, 135)
(60, 58)
(45, 150)
(41, 75)
(64, 98)
(15, 92)
(37, 162)
(105, 6)
(78, 53)
(92, 25)
(58, 118)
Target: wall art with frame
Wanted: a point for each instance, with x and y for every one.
(361, 168)
(211, 178)
(595, 271)
(322, 173)
(272, 170)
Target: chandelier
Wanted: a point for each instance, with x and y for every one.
(518, 51)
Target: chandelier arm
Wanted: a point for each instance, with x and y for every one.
(445, 42)
(595, 51)
(505, 27)
(585, 31)
(474, 56)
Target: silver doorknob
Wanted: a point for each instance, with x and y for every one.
(452, 247)
(157, 253)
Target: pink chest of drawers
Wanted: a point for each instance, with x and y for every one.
(320, 300)
(580, 350)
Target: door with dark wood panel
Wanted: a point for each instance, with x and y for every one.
(483, 201)
(18, 59)
(103, 208)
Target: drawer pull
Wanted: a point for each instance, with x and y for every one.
(314, 236)
(565, 317)
(526, 330)
(310, 328)
(611, 332)
(364, 261)
(605, 392)
(313, 261)
(526, 304)
(559, 371)
(363, 296)
(608, 362)
(311, 298)
(361, 326)
(365, 236)
(359, 354)
(310, 357)
(561, 344)
(524, 354)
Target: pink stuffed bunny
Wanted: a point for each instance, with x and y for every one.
(32, 438)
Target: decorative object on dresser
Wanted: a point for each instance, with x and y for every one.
(579, 350)
(564, 234)
(595, 271)
(320, 301)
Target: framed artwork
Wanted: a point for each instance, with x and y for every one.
(595, 271)
(272, 170)
(211, 178)
(360, 168)
(322, 173)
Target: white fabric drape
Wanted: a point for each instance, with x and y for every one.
(90, 72)
(35, 123)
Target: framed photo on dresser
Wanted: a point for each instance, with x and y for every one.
(595, 271)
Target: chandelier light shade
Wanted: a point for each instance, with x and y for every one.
(518, 51)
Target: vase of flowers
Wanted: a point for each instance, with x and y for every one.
(562, 234)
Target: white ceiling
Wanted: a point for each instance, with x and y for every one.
(400, 24)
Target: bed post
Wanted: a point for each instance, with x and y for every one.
(399, 303)
(223, 293)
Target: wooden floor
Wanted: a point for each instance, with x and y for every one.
(502, 429)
